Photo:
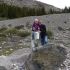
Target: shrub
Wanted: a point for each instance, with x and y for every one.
(3, 28)
(19, 27)
(60, 28)
(49, 33)
(15, 31)
(2, 35)
(3, 39)
(24, 33)
(10, 31)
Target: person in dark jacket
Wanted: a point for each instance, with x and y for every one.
(43, 33)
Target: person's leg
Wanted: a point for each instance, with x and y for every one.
(32, 44)
(32, 35)
(40, 37)
(36, 43)
(42, 41)
(32, 40)
(39, 41)
(45, 40)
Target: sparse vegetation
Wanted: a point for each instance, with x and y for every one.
(10, 31)
(49, 33)
(20, 27)
(15, 31)
(3, 39)
(3, 28)
(9, 50)
(28, 25)
(65, 22)
(57, 42)
(24, 33)
(2, 35)
(60, 28)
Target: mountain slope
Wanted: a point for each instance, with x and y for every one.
(51, 21)
(30, 4)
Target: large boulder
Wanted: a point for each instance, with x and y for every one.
(2, 68)
(48, 57)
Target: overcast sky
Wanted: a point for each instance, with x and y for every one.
(57, 3)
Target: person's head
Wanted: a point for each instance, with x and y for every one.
(36, 21)
(40, 22)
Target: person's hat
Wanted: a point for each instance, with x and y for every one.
(35, 20)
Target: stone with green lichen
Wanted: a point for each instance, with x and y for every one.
(48, 57)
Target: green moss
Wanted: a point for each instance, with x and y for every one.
(3, 39)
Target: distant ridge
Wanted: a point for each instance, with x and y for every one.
(30, 4)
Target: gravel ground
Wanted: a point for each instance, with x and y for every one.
(16, 58)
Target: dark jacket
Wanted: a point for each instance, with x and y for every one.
(43, 30)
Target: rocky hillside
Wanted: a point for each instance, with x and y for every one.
(30, 3)
(58, 23)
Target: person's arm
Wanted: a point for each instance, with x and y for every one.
(43, 29)
(33, 27)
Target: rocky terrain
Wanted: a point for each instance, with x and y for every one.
(48, 57)
(15, 60)
(29, 3)
(26, 59)
(52, 22)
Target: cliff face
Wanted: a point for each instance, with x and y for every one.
(49, 57)
(30, 4)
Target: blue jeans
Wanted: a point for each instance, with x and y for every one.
(44, 40)
(33, 35)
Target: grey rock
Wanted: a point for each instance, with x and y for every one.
(48, 57)
(2, 68)
(15, 60)
(45, 56)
